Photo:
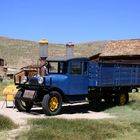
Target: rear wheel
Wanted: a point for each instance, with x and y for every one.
(122, 98)
(22, 105)
(95, 104)
(52, 103)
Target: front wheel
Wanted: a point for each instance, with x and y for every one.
(21, 105)
(52, 103)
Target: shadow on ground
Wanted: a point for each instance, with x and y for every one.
(76, 108)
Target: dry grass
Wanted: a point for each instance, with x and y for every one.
(6, 123)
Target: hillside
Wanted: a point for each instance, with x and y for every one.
(19, 53)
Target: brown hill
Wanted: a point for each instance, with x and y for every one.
(19, 53)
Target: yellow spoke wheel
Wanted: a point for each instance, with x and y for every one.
(53, 104)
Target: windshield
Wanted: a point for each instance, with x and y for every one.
(57, 67)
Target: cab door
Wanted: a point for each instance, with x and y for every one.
(78, 78)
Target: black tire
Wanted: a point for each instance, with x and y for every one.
(95, 104)
(22, 106)
(52, 103)
(122, 99)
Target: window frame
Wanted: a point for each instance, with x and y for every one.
(81, 67)
(64, 67)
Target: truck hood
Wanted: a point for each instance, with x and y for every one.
(55, 78)
(59, 76)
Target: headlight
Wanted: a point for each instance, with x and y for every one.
(24, 79)
(40, 80)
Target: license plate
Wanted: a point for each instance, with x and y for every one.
(29, 94)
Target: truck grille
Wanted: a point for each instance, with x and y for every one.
(33, 82)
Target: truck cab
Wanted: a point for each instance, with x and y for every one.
(65, 81)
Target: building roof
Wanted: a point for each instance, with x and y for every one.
(31, 67)
(122, 48)
(12, 71)
(66, 59)
(1, 59)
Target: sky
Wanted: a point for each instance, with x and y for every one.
(62, 21)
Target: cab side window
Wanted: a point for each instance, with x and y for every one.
(76, 68)
(62, 68)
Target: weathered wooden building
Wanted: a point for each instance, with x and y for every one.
(122, 50)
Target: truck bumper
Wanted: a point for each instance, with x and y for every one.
(34, 93)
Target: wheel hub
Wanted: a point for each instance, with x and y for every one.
(122, 99)
(53, 104)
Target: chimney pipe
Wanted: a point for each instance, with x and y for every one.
(43, 54)
(69, 50)
(43, 47)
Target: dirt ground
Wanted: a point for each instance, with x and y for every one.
(69, 111)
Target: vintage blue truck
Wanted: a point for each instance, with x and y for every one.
(77, 79)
